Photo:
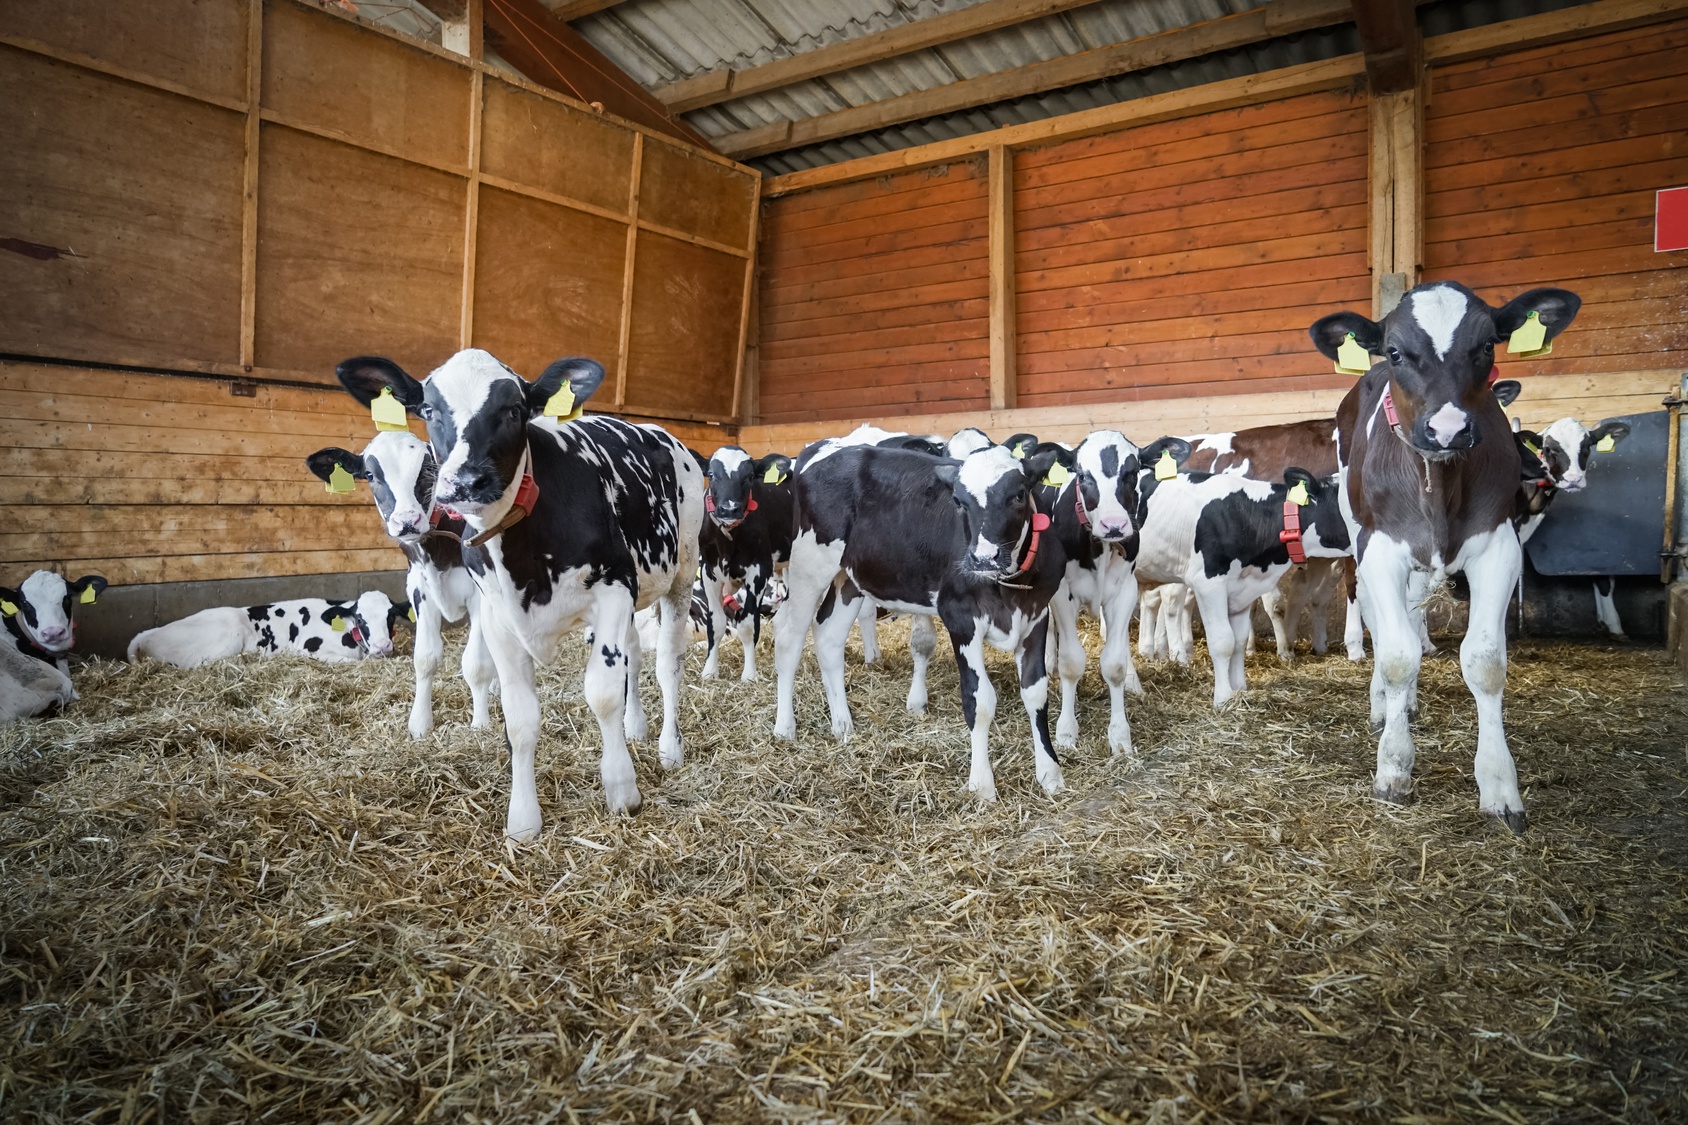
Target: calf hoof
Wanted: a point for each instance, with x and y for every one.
(1119, 741)
(1394, 792)
(1134, 686)
(749, 676)
(710, 672)
(1066, 733)
(672, 753)
(843, 727)
(785, 730)
(480, 722)
(1049, 776)
(624, 801)
(985, 791)
(637, 728)
(523, 829)
(421, 726)
(917, 704)
(1357, 653)
(1514, 819)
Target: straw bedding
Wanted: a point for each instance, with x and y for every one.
(242, 893)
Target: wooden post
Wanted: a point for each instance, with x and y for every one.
(623, 347)
(249, 185)
(1397, 196)
(744, 378)
(472, 190)
(1004, 342)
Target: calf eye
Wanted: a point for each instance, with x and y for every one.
(1394, 354)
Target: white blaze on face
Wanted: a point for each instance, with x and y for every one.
(1447, 424)
(1439, 311)
(1568, 434)
(728, 458)
(45, 592)
(981, 470)
(373, 607)
(463, 382)
(401, 456)
(1108, 516)
(967, 442)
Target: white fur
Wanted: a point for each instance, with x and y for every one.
(1109, 519)
(730, 458)
(1447, 424)
(981, 470)
(964, 442)
(45, 592)
(464, 381)
(29, 686)
(1439, 310)
(224, 631)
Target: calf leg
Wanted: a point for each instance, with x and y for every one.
(978, 704)
(1276, 605)
(867, 617)
(717, 622)
(1385, 573)
(1242, 628)
(427, 660)
(1180, 627)
(478, 670)
(1117, 668)
(1606, 609)
(521, 726)
(1034, 693)
(1354, 624)
(832, 634)
(1214, 602)
(750, 598)
(1322, 584)
(1070, 659)
(1148, 607)
(606, 693)
(807, 580)
(633, 721)
(673, 638)
(922, 640)
(1493, 572)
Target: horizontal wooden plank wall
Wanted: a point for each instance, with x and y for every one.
(1541, 169)
(260, 188)
(1188, 257)
(875, 297)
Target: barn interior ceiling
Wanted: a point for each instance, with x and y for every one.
(786, 85)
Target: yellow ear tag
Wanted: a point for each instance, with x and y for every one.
(7, 607)
(1057, 476)
(88, 595)
(1530, 339)
(1167, 467)
(1535, 450)
(1351, 358)
(338, 624)
(1298, 494)
(1019, 452)
(412, 614)
(1607, 444)
(388, 412)
(340, 480)
(773, 475)
(561, 405)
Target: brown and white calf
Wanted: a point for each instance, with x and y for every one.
(1430, 479)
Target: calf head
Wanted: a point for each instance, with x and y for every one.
(477, 411)
(373, 621)
(993, 489)
(1108, 465)
(1567, 447)
(44, 608)
(733, 473)
(401, 473)
(969, 440)
(1439, 347)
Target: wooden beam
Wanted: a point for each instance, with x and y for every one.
(472, 189)
(1279, 17)
(550, 52)
(570, 10)
(1004, 337)
(1397, 196)
(1549, 27)
(249, 186)
(623, 347)
(725, 84)
(743, 393)
(1390, 40)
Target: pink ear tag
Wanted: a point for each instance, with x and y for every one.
(1040, 522)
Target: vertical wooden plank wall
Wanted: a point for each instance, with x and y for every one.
(1541, 169)
(259, 188)
(875, 297)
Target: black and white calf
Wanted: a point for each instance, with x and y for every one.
(572, 524)
(1557, 460)
(1430, 487)
(40, 615)
(401, 473)
(924, 535)
(29, 686)
(745, 540)
(1093, 512)
(1230, 539)
(338, 632)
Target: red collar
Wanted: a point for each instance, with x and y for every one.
(1078, 505)
(709, 506)
(1290, 536)
(1040, 524)
(527, 496)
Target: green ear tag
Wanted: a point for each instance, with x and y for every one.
(388, 412)
(7, 607)
(773, 475)
(1167, 467)
(1530, 339)
(561, 405)
(1057, 476)
(1535, 450)
(412, 613)
(1607, 444)
(1351, 358)
(1298, 494)
(338, 624)
(88, 595)
(340, 480)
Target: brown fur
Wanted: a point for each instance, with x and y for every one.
(1269, 450)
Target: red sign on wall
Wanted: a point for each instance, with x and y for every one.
(1670, 221)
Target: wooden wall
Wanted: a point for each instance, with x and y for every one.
(1541, 169)
(875, 296)
(1188, 257)
(257, 189)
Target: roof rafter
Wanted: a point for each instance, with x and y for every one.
(1392, 45)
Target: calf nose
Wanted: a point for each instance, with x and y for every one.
(1117, 528)
(1450, 427)
(53, 634)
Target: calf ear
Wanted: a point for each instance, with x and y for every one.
(948, 472)
(1294, 476)
(364, 376)
(1507, 391)
(582, 376)
(1151, 453)
(1555, 308)
(1617, 431)
(1328, 332)
(87, 581)
(778, 463)
(702, 462)
(1039, 461)
(322, 463)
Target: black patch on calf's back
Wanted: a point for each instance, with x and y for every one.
(1234, 528)
(312, 643)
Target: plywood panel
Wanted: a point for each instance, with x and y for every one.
(683, 350)
(541, 143)
(142, 190)
(357, 254)
(682, 190)
(1540, 170)
(547, 282)
(196, 44)
(372, 89)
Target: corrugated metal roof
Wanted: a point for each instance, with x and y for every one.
(662, 41)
